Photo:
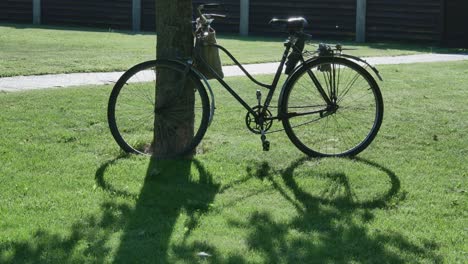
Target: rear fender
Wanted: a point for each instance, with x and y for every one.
(292, 76)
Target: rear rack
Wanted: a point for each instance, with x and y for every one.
(336, 50)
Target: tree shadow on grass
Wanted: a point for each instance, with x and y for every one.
(330, 229)
(86, 242)
(171, 189)
(142, 233)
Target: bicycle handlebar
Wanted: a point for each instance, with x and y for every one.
(211, 6)
(214, 16)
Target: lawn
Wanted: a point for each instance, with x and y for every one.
(67, 194)
(30, 50)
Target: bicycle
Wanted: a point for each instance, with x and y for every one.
(329, 104)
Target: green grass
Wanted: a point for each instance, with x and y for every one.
(31, 50)
(67, 195)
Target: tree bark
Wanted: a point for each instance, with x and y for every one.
(174, 40)
(174, 28)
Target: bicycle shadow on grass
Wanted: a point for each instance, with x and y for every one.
(121, 232)
(332, 226)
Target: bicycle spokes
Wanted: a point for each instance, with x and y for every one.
(343, 126)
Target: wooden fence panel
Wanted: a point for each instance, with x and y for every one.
(327, 18)
(228, 25)
(456, 23)
(416, 20)
(148, 17)
(115, 14)
(400, 20)
(17, 11)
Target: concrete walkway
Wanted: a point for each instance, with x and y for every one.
(21, 83)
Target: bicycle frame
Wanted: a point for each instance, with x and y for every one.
(290, 43)
(271, 87)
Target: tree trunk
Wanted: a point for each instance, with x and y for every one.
(174, 40)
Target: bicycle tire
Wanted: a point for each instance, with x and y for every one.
(337, 133)
(132, 108)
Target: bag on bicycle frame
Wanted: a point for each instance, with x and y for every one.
(209, 55)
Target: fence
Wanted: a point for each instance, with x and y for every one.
(373, 20)
(327, 18)
(103, 13)
(19, 11)
(403, 19)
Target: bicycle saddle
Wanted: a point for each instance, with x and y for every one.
(292, 24)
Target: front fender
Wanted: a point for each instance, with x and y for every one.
(188, 65)
(210, 91)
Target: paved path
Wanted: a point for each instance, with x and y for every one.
(21, 83)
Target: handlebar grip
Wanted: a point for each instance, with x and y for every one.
(215, 16)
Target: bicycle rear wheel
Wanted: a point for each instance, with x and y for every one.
(347, 124)
(136, 106)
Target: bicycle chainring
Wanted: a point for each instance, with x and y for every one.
(253, 124)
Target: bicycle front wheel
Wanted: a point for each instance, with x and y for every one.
(143, 121)
(331, 107)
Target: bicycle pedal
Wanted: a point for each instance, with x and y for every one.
(266, 145)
